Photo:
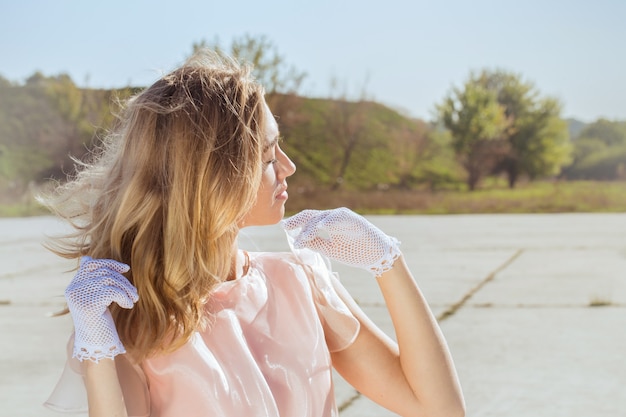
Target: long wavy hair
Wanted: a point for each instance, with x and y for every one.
(165, 193)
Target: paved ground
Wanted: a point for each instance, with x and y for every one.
(533, 307)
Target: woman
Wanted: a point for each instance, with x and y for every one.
(172, 319)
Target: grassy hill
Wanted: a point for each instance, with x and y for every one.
(360, 154)
(336, 144)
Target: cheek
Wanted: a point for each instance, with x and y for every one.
(266, 190)
(265, 211)
(268, 180)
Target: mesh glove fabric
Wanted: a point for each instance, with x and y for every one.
(344, 236)
(97, 284)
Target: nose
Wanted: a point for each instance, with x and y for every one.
(286, 166)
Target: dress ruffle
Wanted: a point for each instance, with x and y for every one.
(70, 395)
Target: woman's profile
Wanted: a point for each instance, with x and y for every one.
(172, 319)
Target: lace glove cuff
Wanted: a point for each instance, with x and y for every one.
(97, 284)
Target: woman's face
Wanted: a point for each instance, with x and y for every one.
(269, 207)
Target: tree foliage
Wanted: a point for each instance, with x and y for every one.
(44, 124)
(537, 136)
(599, 152)
(269, 66)
(476, 123)
(501, 124)
(358, 145)
(495, 123)
(340, 143)
(28, 127)
(605, 131)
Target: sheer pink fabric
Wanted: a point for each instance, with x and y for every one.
(266, 352)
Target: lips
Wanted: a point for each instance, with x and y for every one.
(281, 194)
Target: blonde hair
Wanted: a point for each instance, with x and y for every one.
(165, 194)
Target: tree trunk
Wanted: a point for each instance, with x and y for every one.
(473, 178)
(513, 175)
(345, 161)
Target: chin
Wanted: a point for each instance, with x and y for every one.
(278, 218)
(268, 220)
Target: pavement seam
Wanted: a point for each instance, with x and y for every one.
(347, 403)
(450, 311)
(609, 304)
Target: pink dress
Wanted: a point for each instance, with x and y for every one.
(265, 354)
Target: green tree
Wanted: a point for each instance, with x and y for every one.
(71, 103)
(37, 79)
(43, 124)
(608, 132)
(599, 152)
(341, 144)
(538, 138)
(28, 130)
(18, 167)
(350, 128)
(408, 143)
(476, 123)
(269, 67)
(436, 166)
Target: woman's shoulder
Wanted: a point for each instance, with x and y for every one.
(272, 257)
(304, 257)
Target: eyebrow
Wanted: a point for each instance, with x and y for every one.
(272, 143)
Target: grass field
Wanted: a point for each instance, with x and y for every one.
(535, 197)
(22, 209)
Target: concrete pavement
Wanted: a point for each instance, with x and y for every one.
(533, 308)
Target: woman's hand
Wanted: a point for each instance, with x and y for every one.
(344, 236)
(97, 284)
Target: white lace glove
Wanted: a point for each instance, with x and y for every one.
(344, 236)
(97, 284)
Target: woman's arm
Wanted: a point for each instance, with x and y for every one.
(416, 376)
(104, 392)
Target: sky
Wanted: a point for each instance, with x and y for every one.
(407, 54)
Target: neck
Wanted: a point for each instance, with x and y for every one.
(239, 264)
